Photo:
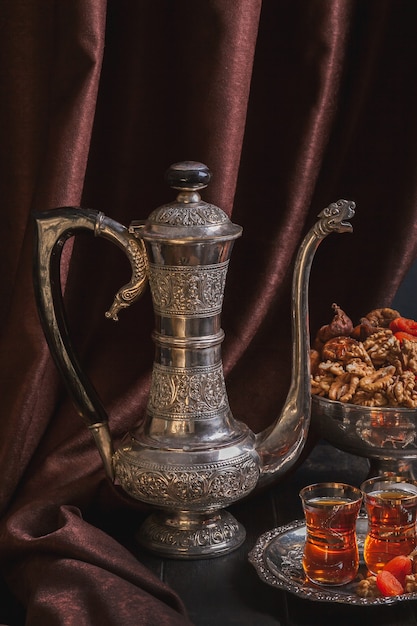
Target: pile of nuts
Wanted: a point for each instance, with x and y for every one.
(367, 364)
(397, 577)
(368, 588)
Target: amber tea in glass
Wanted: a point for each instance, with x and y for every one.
(331, 555)
(391, 506)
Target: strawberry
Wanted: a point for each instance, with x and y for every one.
(400, 566)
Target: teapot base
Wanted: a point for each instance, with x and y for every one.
(191, 535)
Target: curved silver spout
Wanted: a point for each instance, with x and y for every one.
(280, 445)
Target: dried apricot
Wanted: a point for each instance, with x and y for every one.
(388, 585)
(400, 566)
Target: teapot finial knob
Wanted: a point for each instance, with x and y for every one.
(188, 177)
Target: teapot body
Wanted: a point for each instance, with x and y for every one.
(189, 452)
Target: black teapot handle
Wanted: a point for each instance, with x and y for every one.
(53, 229)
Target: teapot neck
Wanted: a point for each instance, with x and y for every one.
(188, 403)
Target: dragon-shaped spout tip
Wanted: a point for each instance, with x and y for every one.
(335, 216)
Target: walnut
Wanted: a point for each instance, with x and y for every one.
(382, 346)
(410, 585)
(402, 392)
(369, 368)
(382, 317)
(370, 398)
(409, 354)
(344, 349)
(367, 588)
(315, 359)
(413, 557)
(332, 367)
(320, 385)
(396, 361)
(378, 380)
(359, 368)
(344, 387)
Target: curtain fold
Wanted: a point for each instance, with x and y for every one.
(292, 104)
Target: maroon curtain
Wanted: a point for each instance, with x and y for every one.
(292, 104)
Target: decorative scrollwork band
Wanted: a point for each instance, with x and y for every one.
(202, 215)
(192, 291)
(194, 487)
(181, 393)
(223, 531)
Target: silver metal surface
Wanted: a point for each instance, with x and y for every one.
(277, 558)
(387, 436)
(189, 457)
(191, 535)
(280, 445)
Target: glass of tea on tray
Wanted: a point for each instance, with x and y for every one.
(331, 555)
(391, 506)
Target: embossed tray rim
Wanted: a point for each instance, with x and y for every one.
(267, 558)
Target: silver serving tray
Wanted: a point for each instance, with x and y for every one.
(277, 557)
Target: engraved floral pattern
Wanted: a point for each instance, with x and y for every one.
(188, 290)
(196, 392)
(192, 487)
(211, 535)
(201, 215)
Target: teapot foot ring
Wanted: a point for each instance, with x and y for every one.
(191, 535)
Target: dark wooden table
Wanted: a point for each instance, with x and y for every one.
(226, 591)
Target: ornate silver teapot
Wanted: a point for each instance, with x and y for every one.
(189, 458)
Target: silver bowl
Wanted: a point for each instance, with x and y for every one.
(387, 436)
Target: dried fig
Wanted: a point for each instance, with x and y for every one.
(341, 325)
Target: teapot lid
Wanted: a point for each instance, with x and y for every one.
(188, 218)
